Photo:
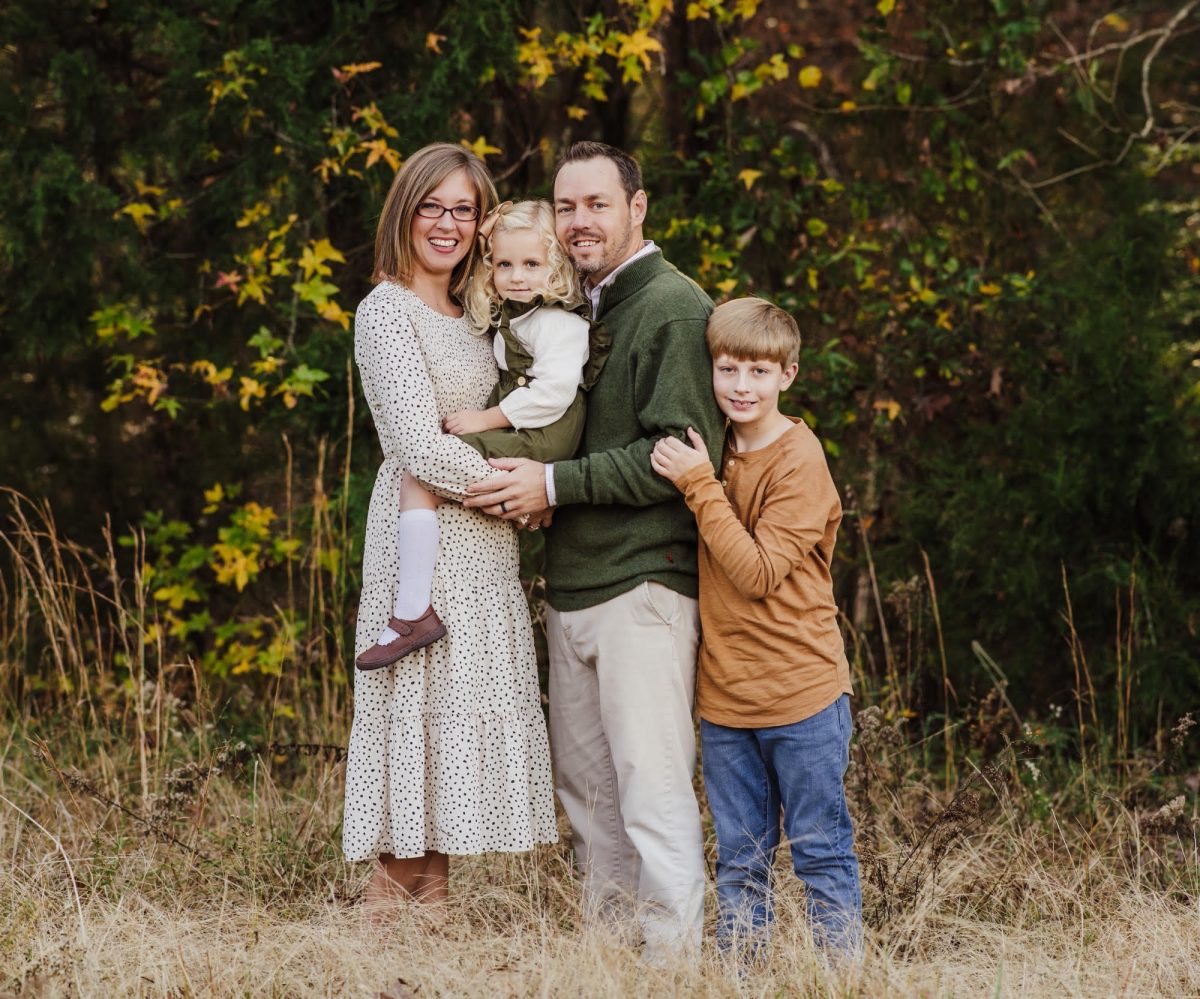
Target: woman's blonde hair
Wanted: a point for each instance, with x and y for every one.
(482, 301)
(421, 174)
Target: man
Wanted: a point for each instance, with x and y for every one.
(621, 565)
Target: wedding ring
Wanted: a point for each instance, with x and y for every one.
(503, 508)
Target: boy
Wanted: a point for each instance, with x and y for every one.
(774, 683)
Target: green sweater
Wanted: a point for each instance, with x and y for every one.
(619, 523)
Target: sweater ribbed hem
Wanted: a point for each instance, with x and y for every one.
(572, 600)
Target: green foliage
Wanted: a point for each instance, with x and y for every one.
(986, 233)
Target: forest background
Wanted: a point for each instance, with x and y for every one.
(984, 217)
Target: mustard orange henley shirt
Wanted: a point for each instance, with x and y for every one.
(771, 652)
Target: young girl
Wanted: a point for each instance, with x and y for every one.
(525, 291)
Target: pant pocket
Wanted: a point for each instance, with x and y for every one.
(662, 601)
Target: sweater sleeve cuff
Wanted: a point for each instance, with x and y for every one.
(567, 482)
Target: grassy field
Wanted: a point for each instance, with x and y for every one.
(145, 854)
(227, 881)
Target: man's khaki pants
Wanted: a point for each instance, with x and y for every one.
(622, 681)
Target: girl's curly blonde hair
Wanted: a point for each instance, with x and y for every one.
(482, 301)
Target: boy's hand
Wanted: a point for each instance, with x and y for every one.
(474, 421)
(671, 458)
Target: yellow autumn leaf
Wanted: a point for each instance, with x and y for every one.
(378, 149)
(257, 518)
(533, 55)
(810, 76)
(576, 113)
(280, 230)
(256, 287)
(314, 256)
(697, 11)
(174, 596)
(335, 313)
(212, 497)
(885, 7)
(139, 211)
(253, 214)
(890, 406)
(1116, 22)
(235, 565)
(250, 389)
(433, 42)
(150, 380)
(480, 147)
(245, 663)
(847, 106)
(775, 68)
(354, 69)
(210, 373)
(655, 8)
(726, 286)
(639, 45)
(748, 177)
(144, 189)
(738, 92)
(267, 365)
(989, 289)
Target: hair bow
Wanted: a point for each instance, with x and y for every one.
(484, 232)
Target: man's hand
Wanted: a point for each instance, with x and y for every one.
(522, 491)
(671, 457)
(474, 421)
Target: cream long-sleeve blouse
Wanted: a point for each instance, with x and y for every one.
(557, 340)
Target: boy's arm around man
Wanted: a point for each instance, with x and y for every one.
(669, 389)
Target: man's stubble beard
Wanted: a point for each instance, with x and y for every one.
(611, 259)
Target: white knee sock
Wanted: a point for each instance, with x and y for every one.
(418, 546)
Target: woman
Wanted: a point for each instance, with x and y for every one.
(448, 751)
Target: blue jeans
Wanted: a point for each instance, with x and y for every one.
(749, 774)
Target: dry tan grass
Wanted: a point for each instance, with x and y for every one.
(1015, 909)
(140, 859)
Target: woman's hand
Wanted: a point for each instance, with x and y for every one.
(533, 521)
(474, 421)
(671, 458)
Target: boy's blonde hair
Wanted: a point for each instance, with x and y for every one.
(421, 174)
(482, 301)
(752, 329)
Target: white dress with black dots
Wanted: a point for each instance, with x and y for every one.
(448, 750)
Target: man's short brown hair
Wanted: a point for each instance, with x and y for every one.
(752, 329)
(627, 167)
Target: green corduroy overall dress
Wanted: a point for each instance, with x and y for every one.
(559, 440)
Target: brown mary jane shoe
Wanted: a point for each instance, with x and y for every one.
(415, 634)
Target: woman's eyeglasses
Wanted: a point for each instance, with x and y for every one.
(460, 213)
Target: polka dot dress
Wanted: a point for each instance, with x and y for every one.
(448, 750)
